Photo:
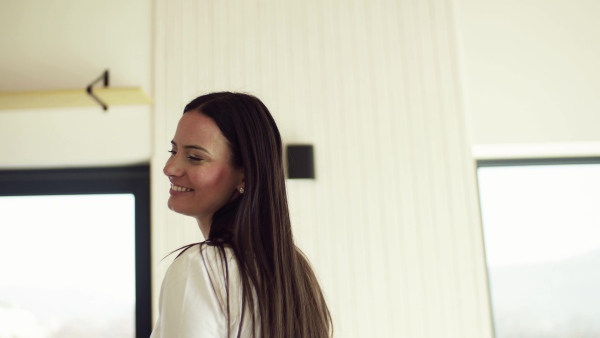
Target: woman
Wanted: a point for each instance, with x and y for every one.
(248, 279)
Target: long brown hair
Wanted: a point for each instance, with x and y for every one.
(277, 279)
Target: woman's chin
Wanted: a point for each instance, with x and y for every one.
(179, 209)
(175, 207)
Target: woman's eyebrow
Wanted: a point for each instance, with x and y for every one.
(192, 146)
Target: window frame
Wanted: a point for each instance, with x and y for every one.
(518, 162)
(109, 180)
(537, 161)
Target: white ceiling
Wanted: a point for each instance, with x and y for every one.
(67, 44)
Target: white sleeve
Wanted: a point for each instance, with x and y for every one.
(189, 305)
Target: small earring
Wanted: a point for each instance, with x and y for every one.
(241, 190)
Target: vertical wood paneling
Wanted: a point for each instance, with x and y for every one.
(391, 223)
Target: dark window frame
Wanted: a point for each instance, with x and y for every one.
(537, 161)
(113, 180)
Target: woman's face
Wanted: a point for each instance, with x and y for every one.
(202, 177)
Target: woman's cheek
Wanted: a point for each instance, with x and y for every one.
(213, 179)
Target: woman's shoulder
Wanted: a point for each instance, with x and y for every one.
(208, 255)
(204, 261)
(197, 286)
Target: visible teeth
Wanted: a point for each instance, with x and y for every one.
(179, 189)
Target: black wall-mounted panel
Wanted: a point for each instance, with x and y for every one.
(300, 161)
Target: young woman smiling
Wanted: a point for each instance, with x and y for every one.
(248, 278)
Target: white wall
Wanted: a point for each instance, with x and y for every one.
(531, 76)
(391, 223)
(66, 44)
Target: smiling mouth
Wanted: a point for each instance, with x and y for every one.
(180, 189)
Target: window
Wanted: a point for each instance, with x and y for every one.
(541, 224)
(75, 253)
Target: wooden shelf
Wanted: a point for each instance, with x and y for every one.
(73, 98)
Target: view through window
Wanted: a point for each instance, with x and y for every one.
(68, 266)
(542, 237)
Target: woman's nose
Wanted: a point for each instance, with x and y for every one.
(171, 168)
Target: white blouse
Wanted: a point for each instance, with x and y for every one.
(193, 296)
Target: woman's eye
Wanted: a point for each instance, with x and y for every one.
(173, 152)
(194, 159)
